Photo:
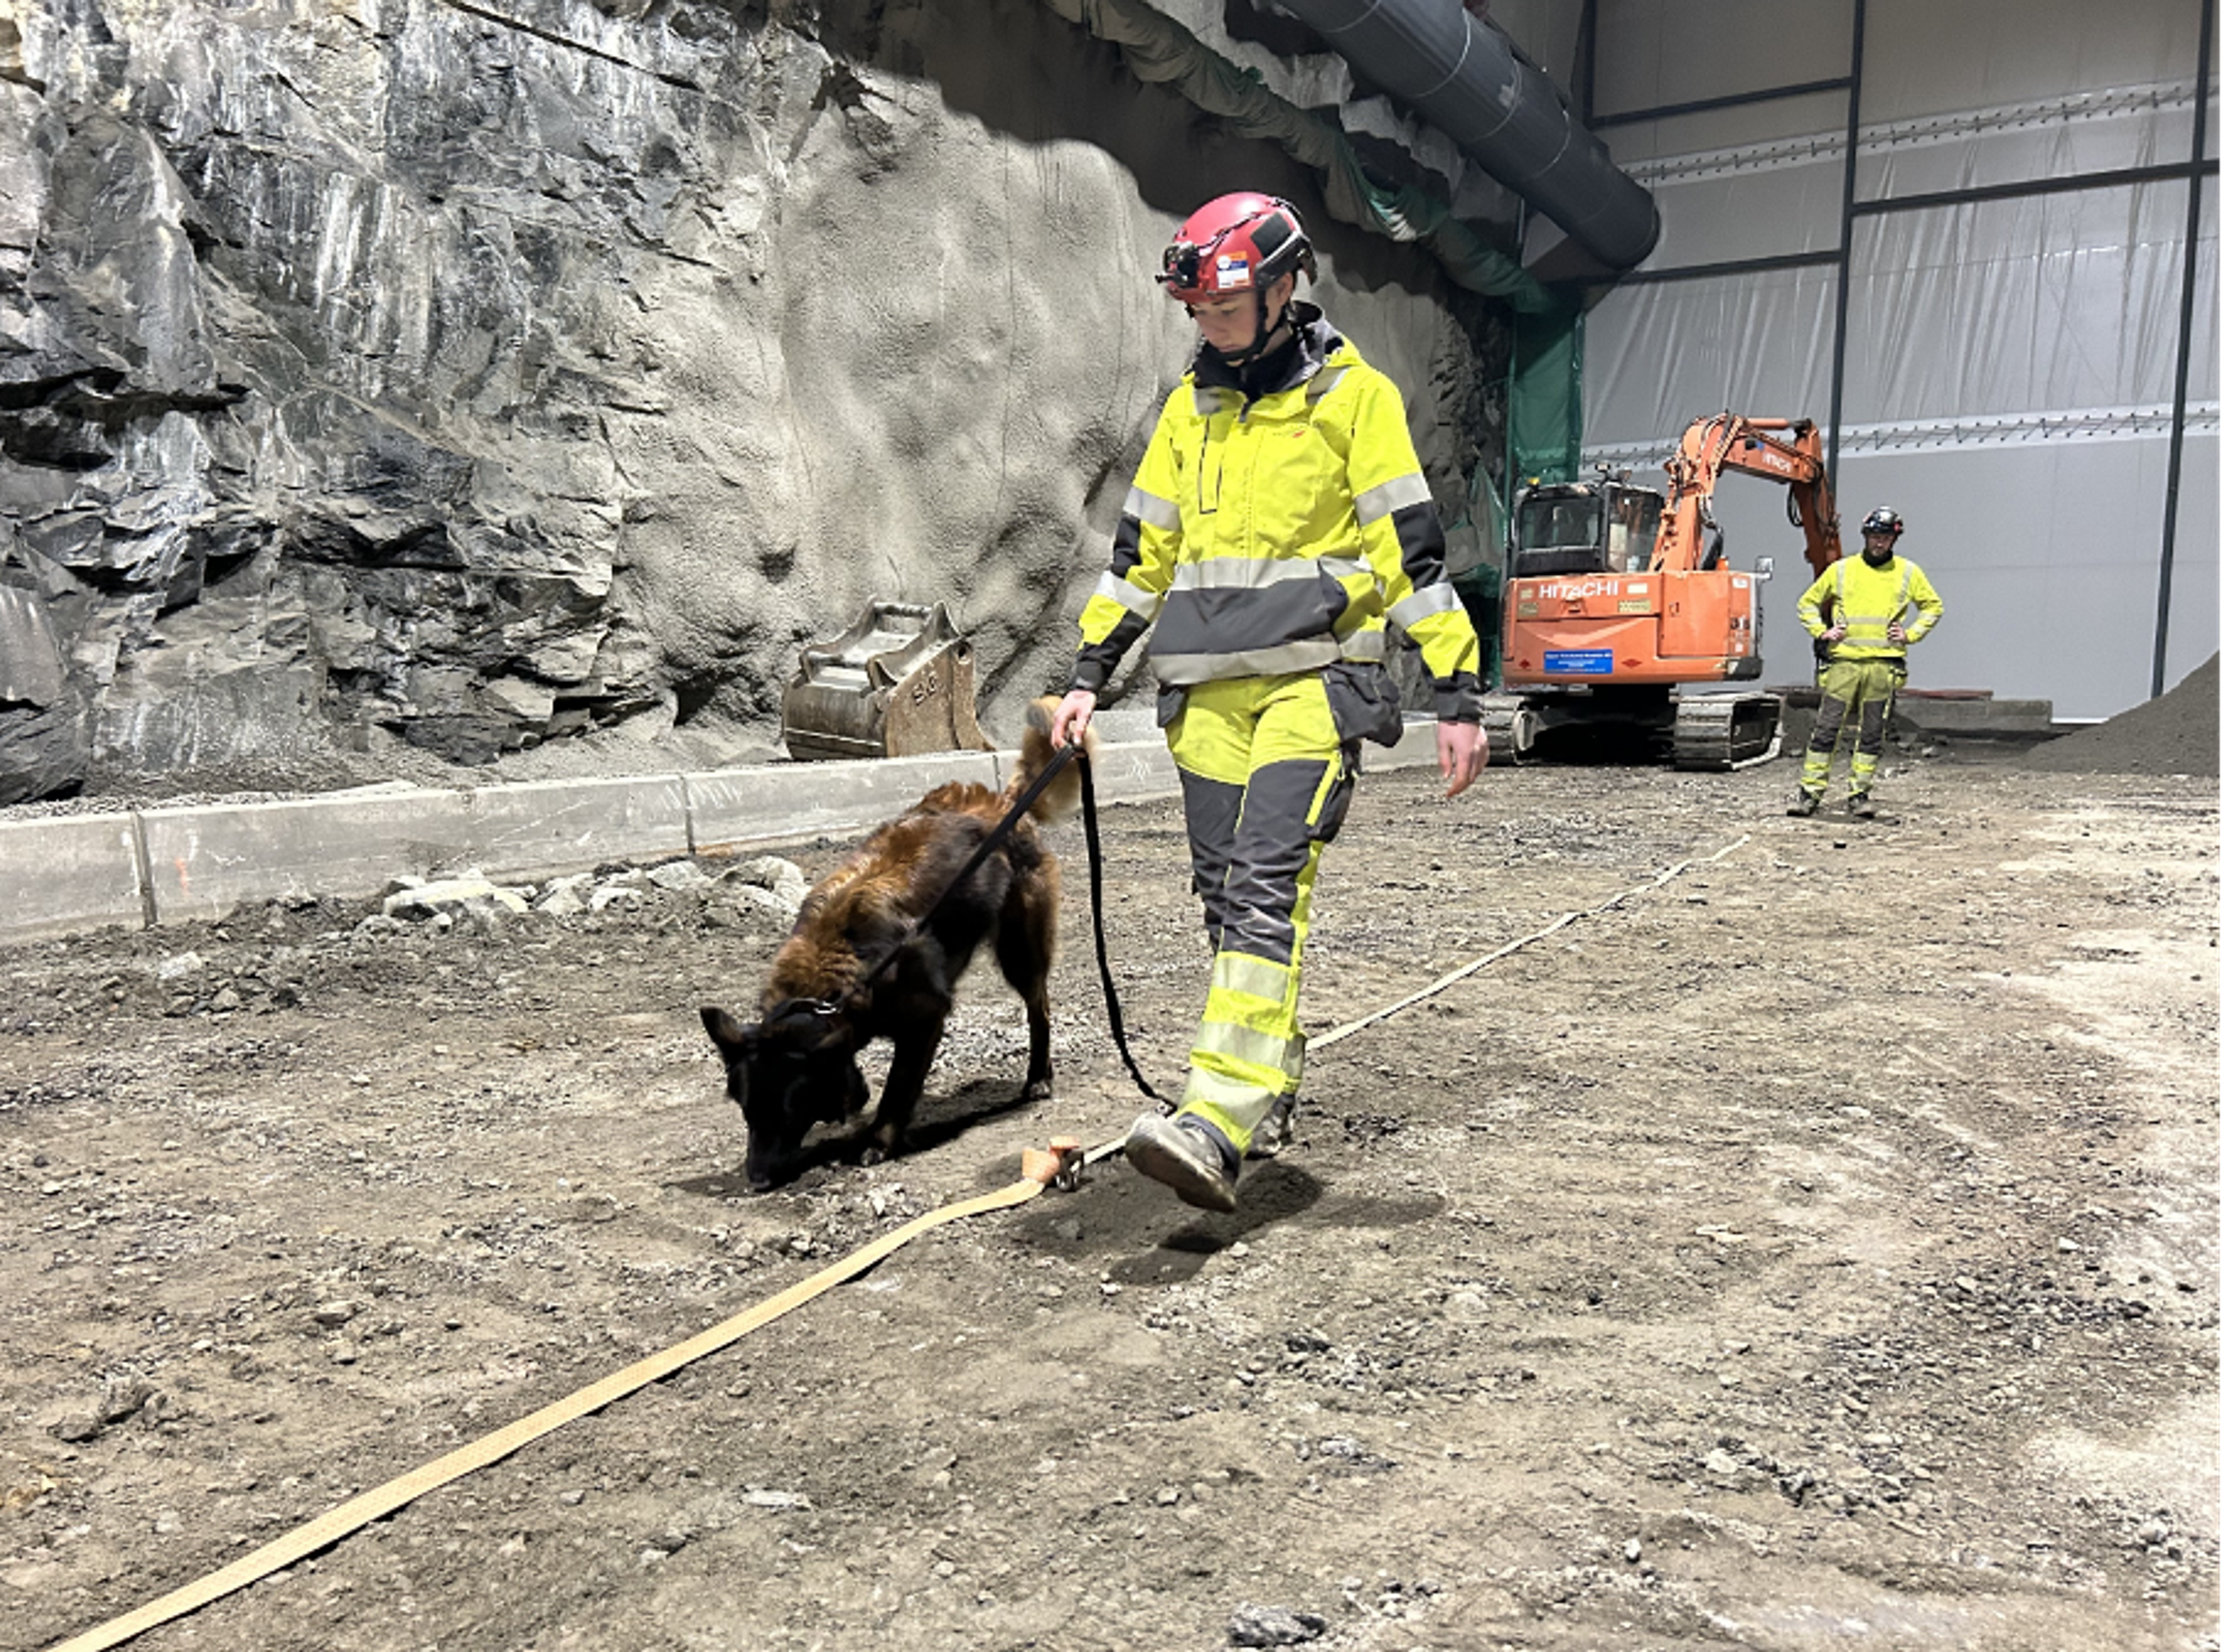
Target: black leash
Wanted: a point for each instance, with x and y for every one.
(988, 847)
(989, 844)
(1102, 951)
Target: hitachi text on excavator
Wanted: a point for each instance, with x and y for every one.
(1620, 601)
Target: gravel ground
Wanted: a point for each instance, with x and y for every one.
(1814, 1249)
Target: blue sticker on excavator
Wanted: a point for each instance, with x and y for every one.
(1578, 662)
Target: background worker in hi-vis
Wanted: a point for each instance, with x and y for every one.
(1278, 523)
(1857, 611)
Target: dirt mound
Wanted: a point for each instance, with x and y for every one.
(2176, 734)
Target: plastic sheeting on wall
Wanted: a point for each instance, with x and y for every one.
(1751, 212)
(2046, 303)
(2010, 363)
(1923, 57)
(1650, 54)
(1660, 356)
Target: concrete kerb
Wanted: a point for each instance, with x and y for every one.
(545, 828)
(64, 875)
(205, 860)
(142, 869)
(732, 809)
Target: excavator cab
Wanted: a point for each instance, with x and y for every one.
(1608, 526)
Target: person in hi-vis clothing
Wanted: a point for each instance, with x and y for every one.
(1858, 611)
(1278, 524)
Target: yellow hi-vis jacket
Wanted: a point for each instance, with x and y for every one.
(1866, 601)
(1281, 534)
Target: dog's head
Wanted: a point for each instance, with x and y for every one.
(795, 1068)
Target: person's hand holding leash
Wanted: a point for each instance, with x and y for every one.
(1070, 721)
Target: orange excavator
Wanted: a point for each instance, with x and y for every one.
(1619, 601)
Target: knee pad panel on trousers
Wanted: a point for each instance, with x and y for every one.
(1213, 809)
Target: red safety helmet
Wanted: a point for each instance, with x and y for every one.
(1238, 243)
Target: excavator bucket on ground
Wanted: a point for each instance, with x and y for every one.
(896, 683)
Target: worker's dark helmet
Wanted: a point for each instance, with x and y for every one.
(1883, 519)
(1238, 243)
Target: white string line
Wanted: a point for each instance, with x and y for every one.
(1510, 947)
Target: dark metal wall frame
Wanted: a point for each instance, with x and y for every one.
(1734, 267)
(1732, 100)
(2185, 322)
(1844, 231)
(2192, 171)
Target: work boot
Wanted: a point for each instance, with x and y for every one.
(1188, 1155)
(1278, 1131)
(1804, 803)
(1863, 805)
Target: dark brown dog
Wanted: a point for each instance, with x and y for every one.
(796, 1066)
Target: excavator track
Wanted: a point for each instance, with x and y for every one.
(1723, 732)
(1511, 728)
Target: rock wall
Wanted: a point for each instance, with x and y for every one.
(393, 382)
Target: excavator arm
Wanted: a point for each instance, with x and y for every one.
(1780, 450)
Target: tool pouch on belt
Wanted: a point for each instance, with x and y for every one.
(1363, 700)
(1823, 649)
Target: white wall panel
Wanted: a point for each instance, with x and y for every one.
(2011, 364)
(2047, 558)
(1656, 355)
(1924, 56)
(2205, 379)
(1818, 115)
(1753, 213)
(2149, 128)
(1656, 51)
(2052, 302)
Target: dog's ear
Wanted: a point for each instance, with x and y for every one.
(729, 1035)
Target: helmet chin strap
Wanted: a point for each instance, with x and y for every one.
(1261, 335)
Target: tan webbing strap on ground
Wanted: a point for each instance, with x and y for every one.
(359, 1511)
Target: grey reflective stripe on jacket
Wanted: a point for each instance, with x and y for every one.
(1431, 599)
(1148, 507)
(1390, 496)
(1132, 598)
(1254, 574)
(1307, 654)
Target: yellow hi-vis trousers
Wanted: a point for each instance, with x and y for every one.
(1855, 695)
(1265, 780)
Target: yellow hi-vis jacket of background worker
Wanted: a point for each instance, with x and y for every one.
(1277, 535)
(1867, 601)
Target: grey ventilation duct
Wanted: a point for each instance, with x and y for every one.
(1465, 78)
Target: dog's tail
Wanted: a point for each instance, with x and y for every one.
(1060, 798)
